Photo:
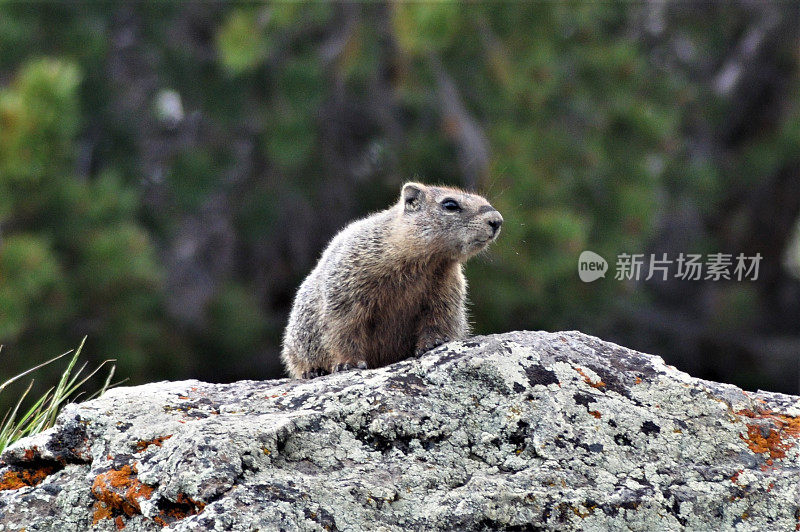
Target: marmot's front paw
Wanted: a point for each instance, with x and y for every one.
(427, 344)
(361, 364)
(314, 373)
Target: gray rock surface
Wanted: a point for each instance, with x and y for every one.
(518, 431)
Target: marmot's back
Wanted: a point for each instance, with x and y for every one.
(389, 286)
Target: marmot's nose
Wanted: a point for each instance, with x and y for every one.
(495, 222)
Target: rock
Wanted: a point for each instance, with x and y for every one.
(517, 431)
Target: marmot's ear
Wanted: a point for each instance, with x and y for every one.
(412, 195)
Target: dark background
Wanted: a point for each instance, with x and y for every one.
(169, 173)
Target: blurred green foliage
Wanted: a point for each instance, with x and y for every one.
(73, 253)
(151, 151)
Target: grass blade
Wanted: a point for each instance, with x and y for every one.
(31, 370)
(43, 412)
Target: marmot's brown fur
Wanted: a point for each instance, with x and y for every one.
(391, 285)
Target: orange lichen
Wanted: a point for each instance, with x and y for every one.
(22, 477)
(588, 380)
(118, 491)
(771, 443)
(141, 445)
(183, 507)
(768, 433)
(276, 395)
(596, 414)
(100, 512)
(735, 476)
(185, 499)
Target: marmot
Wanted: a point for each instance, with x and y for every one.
(390, 285)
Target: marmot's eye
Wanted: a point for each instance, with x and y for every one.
(451, 205)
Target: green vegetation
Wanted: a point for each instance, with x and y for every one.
(24, 420)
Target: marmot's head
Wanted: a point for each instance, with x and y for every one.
(446, 221)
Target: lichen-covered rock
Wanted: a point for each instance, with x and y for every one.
(516, 431)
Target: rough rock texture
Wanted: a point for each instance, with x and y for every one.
(517, 431)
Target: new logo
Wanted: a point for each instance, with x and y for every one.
(591, 266)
